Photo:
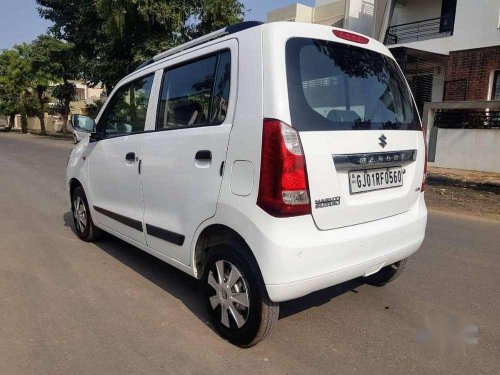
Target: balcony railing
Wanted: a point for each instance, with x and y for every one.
(420, 30)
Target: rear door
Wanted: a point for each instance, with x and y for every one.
(183, 159)
(359, 129)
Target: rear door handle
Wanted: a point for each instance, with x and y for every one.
(204, 155)
(130, 156)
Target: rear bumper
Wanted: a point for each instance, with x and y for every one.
(307, 260)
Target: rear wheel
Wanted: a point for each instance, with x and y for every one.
(387, 274)
(235, 296)
(84, 226)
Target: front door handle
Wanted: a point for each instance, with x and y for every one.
(130, 156)
(204, 155)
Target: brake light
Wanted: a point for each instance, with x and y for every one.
(283, 187)
(424, 178)
(350, 37)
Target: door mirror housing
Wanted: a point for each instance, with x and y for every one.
(82, 123)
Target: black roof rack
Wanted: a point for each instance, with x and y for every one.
(203, 39)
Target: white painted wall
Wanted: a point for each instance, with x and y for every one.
(319, 3)
(415, 10)
(361, 16)
(476, 24)
(472, 149)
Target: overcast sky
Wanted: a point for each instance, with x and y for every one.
(20, 22)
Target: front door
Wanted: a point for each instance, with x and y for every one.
(115, 183)
(182, 160)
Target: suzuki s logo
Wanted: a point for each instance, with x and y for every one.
(382, 140)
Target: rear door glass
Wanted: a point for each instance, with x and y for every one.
(333, 86)
(195, 93)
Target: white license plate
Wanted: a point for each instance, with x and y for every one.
(375, 179)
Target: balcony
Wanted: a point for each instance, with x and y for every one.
(420, 30)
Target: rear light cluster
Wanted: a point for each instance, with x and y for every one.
(283, 187)
(424, 178)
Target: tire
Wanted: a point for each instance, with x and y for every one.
(84, 226)
(387, 274)
(241, 285)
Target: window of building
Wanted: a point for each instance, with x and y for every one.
(195, 94)
(127, 110)
(495, 92)
(80, 94)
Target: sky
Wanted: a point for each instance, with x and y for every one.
(20, 22)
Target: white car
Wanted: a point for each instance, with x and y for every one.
(268, 160)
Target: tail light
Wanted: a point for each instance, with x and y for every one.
(424, 178)
(283, 187)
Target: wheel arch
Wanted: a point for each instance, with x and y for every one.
(73, 184)
(212, 235)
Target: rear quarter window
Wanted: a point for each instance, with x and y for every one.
(334, 86)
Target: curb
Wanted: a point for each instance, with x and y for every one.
(68, 136)
(490, 186)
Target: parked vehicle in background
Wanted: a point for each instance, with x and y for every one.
(270, 161)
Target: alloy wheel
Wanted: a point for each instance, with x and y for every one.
(231, 297)
(80, 214)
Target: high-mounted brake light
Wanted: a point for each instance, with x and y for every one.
(350, 37)
(283, 187)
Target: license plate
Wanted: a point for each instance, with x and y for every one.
(375, 179)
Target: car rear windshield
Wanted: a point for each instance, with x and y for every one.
(334, 86)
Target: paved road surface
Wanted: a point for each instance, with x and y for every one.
(72, 307)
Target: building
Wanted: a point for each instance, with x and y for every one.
(356, 15)
(53, 120)
(448, 49)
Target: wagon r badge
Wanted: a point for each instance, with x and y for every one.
(327, 202)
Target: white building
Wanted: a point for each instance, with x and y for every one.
(448, 49)
(356, 15)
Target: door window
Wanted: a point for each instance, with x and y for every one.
(195, 94)
(126, 113)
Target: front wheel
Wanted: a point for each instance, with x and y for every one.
(235, 296)
(85, 228)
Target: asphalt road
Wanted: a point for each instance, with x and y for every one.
(107, 308)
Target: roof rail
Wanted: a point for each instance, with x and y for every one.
(203, 39)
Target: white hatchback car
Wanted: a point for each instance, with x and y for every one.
(268, 160)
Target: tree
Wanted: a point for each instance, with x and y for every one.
(64, 65)
(15, 94)
(93, 108)
(114, 37)
(9, 93)
(65, 93)
(49, 60)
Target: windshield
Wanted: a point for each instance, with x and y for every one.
(334, 86)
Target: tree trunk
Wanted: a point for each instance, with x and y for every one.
(24, 123)
(41, 112)
(41, 117)
(65, 123)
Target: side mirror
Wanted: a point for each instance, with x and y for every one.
(83, 124)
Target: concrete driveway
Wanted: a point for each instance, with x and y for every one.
(107, 308)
